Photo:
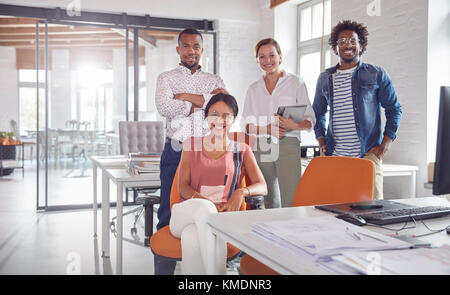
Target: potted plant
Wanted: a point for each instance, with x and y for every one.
(7, 138)
(12, 138)
(2, 138)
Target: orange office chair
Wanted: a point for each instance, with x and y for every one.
(167, 247)
(327, 180)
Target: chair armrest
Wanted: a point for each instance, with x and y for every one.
(255, 202)
(147, 200)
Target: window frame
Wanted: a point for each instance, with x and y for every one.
(314, 44)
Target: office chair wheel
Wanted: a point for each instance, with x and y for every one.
(133, 231)
(112, 226)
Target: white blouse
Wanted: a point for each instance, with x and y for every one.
(260, 105)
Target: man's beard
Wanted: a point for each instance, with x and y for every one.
(350, 60)
(188, 65)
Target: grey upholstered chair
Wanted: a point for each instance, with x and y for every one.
(147, 137)
(144, 137)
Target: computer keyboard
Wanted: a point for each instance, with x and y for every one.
(402, 215)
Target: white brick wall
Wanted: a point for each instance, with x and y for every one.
(438, 65)
(236, 62)
(398, 42)
(236, 42)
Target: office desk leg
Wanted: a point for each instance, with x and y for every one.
(105, 215)
(413, 184)
(119, 228)
(95, 207)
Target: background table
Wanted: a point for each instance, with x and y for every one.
(402, 170)
(104, 162)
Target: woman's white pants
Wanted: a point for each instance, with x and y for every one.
(202, 252)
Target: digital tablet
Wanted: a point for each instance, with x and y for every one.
(295, 112)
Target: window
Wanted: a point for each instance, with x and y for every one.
(28, 102)
(314, 19)
(142, 90)
(92, 98)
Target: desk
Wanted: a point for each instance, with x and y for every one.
(402, 170)
(104, 162)
(234, 227)
(123, 180)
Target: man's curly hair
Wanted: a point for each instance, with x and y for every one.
(348, 25)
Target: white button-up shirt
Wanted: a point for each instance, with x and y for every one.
(180, 124)
(260, 106)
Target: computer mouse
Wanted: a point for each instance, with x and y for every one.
(354, 219)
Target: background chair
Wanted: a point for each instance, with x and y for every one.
(85, 125)
(327, 180)
(52, 146)
(145, 137)
(72, 124)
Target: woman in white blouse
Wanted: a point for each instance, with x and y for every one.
(278, 146)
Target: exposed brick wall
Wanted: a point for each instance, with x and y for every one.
(236, 42)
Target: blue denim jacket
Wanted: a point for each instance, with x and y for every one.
(371, 89)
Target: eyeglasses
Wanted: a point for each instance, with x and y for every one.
(214, 116)
(343, 41)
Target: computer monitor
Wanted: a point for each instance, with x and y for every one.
(441, 182)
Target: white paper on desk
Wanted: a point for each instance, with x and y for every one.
(149, 175)
(323, 237)
(362, 264)
(151, 165)
(421, 261)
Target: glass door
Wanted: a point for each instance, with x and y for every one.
(93, 79)
(84, 99)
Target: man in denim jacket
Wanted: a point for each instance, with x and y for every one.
(355, 92)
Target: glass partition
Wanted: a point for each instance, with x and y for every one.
(75, 82)
(86, 98)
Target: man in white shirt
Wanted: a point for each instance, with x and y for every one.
(180, 95)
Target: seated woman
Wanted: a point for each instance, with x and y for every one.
(211, 170)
